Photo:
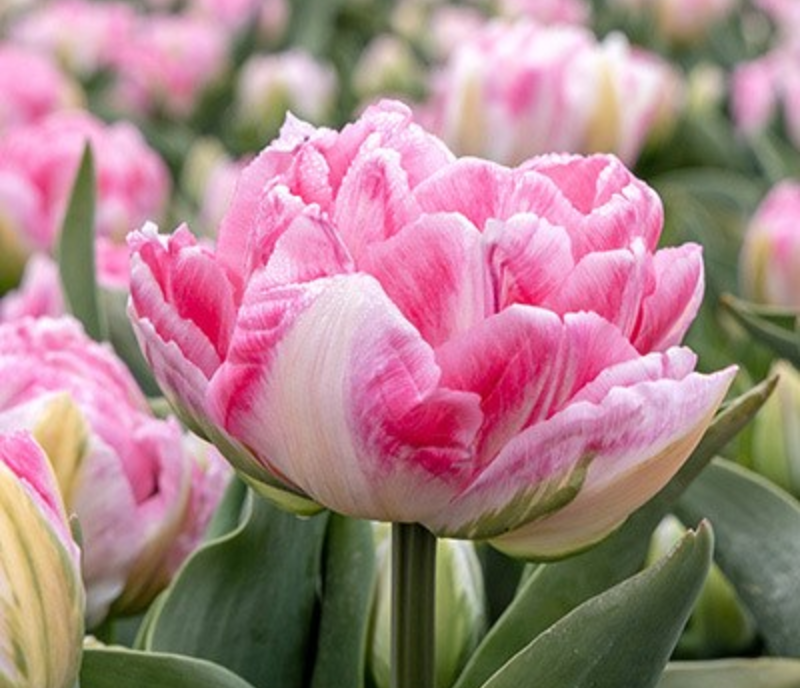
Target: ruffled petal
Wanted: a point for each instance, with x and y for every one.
(338, 395)
(435, 273)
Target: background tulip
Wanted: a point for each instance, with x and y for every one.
(769, 266)
(40, 584)
(142, 494)
(401, 335)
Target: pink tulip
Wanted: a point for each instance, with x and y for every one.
(548, 11)
(96, 30)
(40, 584)
(400, 335)
(38, 164)
(32, 87)
(39, 294)
(142, 494)
(168, 63)
(770, 258)
(520, 89)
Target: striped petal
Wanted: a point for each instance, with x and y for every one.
(339, 396)
(435, 273)
(567, 482)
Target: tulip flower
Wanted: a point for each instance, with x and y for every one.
(142, 491)
(769, 264)
(520, 89)
(40, 583)
(400, 335)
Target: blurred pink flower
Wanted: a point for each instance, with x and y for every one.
(137, 487)
(401, 335)
(168, 63)
(38, 164)
(762, 86)
(32, 87)
(770, 258)
(269, 85)
(520, 89)
(95, 32)
(548, 11)
(38, 295)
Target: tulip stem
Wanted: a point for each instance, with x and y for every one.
(413, 606)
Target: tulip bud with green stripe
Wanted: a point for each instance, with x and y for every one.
(41, 593)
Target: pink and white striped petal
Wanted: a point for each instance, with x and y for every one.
(567, 482)
(669, 310)
(435, 273)
(332, 388)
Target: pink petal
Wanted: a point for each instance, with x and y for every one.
(332, 389)
(435, 273)
(525, 363)
(669, 310)
(453, 189)
(611, 284)
(529, 259)
(569, 481)
(374, 201)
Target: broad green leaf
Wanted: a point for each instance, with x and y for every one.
(758, 535)
(733, 673)
(114, 667)
(247, 600)
(76, 251)
(775, 327)
(228, 514)
(622, 637)
(552, 590)
(347, 591)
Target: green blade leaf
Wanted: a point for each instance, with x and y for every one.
(758, 534)
(623, 637)
(76, 251)
(553, 590)
(733, 673)
(121, 668)
(346, 600)
(247, 600)
(775, 327)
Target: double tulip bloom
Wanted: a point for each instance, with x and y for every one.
(400, 335)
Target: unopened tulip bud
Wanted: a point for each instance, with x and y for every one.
(460, 610)
(719, 625)
(40, 585)
(776, 431)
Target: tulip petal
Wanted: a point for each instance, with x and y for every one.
(669, 310)
(41, 598)
(452, 189)
(529, 259)
(338, 395)
(525, 363)
(435, 272)
(591, 465)
(374, 201)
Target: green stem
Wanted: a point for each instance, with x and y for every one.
(413, 606)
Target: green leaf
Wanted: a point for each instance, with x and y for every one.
(553, 590)
(775, 327)
(758, 533)
(623, 637)
(346, 602)
(733, 673)
(76, 251)
(120, 334)
(247, 600)
(121, 668)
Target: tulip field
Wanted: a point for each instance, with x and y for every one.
(400, 344)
